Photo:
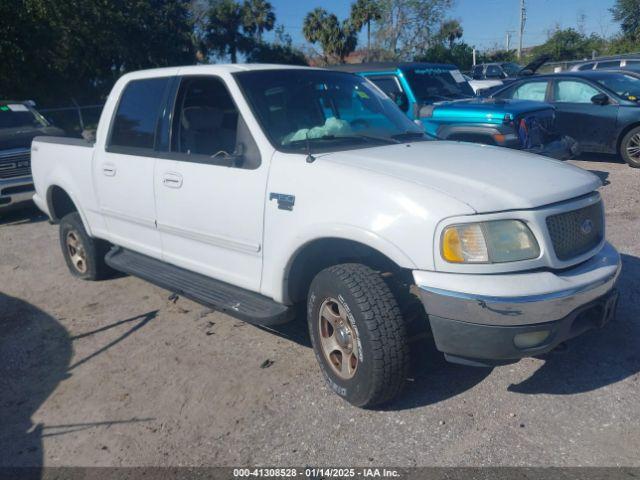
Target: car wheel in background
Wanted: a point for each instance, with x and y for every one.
(630, 147)
(84, 255)
(358, 334)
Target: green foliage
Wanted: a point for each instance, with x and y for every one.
(363, 12)
(498, 56)
(337, 39)
(263, 52)
(406, 28)
(449, 32)
(627, 12)
(258, 17)
(224, 34)
(569, 44)
(57, 50)
(460, 55)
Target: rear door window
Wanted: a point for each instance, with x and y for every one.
(531, 91)
(136, 118)
(608, 65)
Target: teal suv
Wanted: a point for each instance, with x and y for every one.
(440, 99)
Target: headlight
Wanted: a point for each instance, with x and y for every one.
(489, 242)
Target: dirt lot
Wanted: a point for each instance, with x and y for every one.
(114, 373)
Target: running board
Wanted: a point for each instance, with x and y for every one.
(238, 302)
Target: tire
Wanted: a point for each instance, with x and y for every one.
(84, 255)
(365, 357)
(631, 140)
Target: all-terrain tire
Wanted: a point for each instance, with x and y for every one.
(359, 295)
(83, 254)
(631, 141)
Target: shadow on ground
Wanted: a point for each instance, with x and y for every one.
(599, 357)
(35, 356)
(27, 213)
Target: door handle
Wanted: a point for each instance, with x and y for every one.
(172, 180)
(109, 169)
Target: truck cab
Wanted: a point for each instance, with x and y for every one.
(259, 189)
(438, 97)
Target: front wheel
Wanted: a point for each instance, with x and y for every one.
(630, 147)
(358, 334)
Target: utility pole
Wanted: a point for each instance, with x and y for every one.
(523, 19)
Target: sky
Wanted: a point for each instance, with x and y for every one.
(485, 22)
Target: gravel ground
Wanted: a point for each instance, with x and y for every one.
(114, 373)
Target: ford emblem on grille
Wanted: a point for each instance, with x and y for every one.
(586, 227)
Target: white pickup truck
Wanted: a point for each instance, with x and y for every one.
(255, 188)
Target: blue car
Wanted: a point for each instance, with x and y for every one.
(439, 97)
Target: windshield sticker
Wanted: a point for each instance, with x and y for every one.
(430, 71)
(361, 94)
(17, 107)
(457, 76)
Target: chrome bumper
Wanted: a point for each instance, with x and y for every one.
(10, 198)
(526, 298)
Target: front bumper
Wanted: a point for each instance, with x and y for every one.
(478, 324)
(14, 191)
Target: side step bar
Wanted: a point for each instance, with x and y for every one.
(238, 302)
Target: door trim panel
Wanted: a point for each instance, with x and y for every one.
(216, 240)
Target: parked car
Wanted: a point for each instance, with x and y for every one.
(609, 63)
(481, 85)
(495, 70)
(19, 123)
(599, 109)
(438, 97)
(255, 188)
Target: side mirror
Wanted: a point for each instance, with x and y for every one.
(600, 99)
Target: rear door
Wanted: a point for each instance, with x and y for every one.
(123, 166)
(210, 186)
(592, 125)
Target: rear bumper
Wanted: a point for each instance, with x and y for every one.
(476, 326)
(14, 191)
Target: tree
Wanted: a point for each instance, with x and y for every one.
(275, 53)
(569, 44)
(406, 27)
(258, 17)
(336, 39)
(363, 12)
(460, 55)
(627, 12)
(223, 30)
(449, 32)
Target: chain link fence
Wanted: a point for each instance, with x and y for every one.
(74, 120)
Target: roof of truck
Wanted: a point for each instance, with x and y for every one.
(213, 68)
(386, 66)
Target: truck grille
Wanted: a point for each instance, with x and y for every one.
(15, 164)
(576, 232)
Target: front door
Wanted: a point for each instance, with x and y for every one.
(123, 168)
(592, 125)
(210, 187)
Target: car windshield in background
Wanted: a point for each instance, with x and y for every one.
(16, 115)
(512, 69)
(433, 84)
(626, 86)
(324, 110)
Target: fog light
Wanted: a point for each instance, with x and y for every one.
(531, 339)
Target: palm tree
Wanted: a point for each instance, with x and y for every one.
(258, 17)
(336, 39)
(223, 35)
(450, 31)
(363, 12)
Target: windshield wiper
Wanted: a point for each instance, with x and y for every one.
(409, 135)
(370, 138)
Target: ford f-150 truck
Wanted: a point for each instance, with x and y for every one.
(256, 188)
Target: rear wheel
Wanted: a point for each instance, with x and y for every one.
(358, 334)
(630, 147)
(84, 255)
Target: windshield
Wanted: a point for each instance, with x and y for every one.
(627, 86)
(324, 110)
(511, 68)
(433, 84)
(16, 115)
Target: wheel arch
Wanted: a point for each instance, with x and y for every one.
(320, 253)
(61, 202)
(622, 134)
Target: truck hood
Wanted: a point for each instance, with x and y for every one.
(486, 178)
(492, 107)
(21, 137)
